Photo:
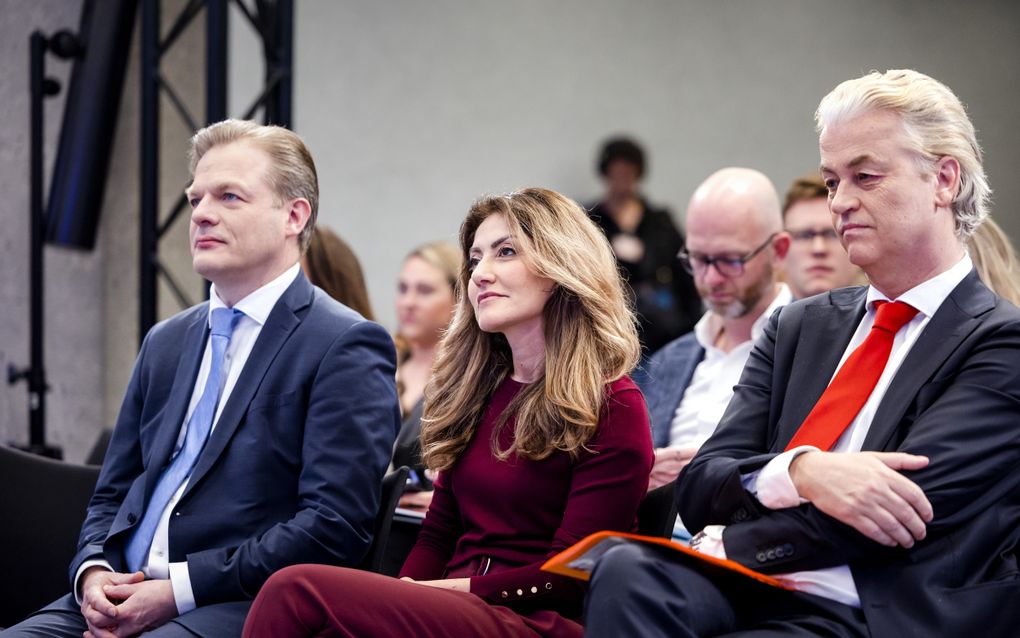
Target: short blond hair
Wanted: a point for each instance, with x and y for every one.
(293, 173)
(933, 117)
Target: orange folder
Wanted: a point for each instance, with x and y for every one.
(579, 559)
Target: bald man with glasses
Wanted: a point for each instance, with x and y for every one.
(735, 248)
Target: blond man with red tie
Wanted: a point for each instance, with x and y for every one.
(870, 457)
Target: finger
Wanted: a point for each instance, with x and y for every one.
(898, 517)
(913, 495)
(902, 460)
(121, 592)
(687, 453)
(100, 632)
(873, 530)
(96, 599)
(95, 618)
(118, 578)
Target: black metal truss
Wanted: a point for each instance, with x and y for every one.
(273, 22)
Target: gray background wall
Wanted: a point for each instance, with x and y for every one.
(414, 109)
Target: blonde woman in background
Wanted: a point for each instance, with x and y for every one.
(995, 260)
(426, 298)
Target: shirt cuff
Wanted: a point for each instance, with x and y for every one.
(180, 580)
(710, 543)
(81, 570)
(772, 485)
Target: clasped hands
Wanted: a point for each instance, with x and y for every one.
(866, 491)
(668, 463)
(117, 605)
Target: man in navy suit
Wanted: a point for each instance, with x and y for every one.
(891, 507)
(243, 452)
(735, 248)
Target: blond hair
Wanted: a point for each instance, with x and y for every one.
(590, 338)
(933, 117)
(444, 257)
(995, 260)
(292, 174)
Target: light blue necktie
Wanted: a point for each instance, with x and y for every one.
(137, 551)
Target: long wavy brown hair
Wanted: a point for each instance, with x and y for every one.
(590, 337)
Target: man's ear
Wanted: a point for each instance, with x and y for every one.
(781, 245)
(299, 213)
(947, 181)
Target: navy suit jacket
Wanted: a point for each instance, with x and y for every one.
(669, 372)
(290, 474)
(955, 399)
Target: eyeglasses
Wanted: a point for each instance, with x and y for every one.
(808, 235)
(697, 264)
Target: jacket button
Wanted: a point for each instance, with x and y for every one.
(788, 549)
(503, 594)
(534, 590)
(740, 515)
(520, 592)
(132, 518)
(770, 554)
(779, 552)
(760, 557)
(548, 585)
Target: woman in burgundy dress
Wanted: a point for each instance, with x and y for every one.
(538, 435)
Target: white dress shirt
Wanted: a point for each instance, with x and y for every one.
(711, 386)
(256, 308)
(772, 485)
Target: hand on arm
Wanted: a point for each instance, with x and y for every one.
(866, 491)
(668, 463)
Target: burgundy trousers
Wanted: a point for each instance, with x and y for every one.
(317, 600)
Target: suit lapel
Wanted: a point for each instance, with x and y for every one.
(824, 334)
(955, 319)
(279, 325)
(180, 396)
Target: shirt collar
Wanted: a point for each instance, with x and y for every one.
(929, 295)
(708, 327)
(259, 303)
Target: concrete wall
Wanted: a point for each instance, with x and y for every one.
(413, 109)
(91, 298)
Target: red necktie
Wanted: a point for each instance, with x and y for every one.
(853, 384)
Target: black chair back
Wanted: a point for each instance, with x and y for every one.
(42, 507)
(392, 487)
(657, 512)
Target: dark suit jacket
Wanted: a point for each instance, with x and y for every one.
(669, 372)
(955, 399)
(291, 472)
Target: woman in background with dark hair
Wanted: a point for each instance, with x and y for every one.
(330, 264)
(646, 241)
(537, 433)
